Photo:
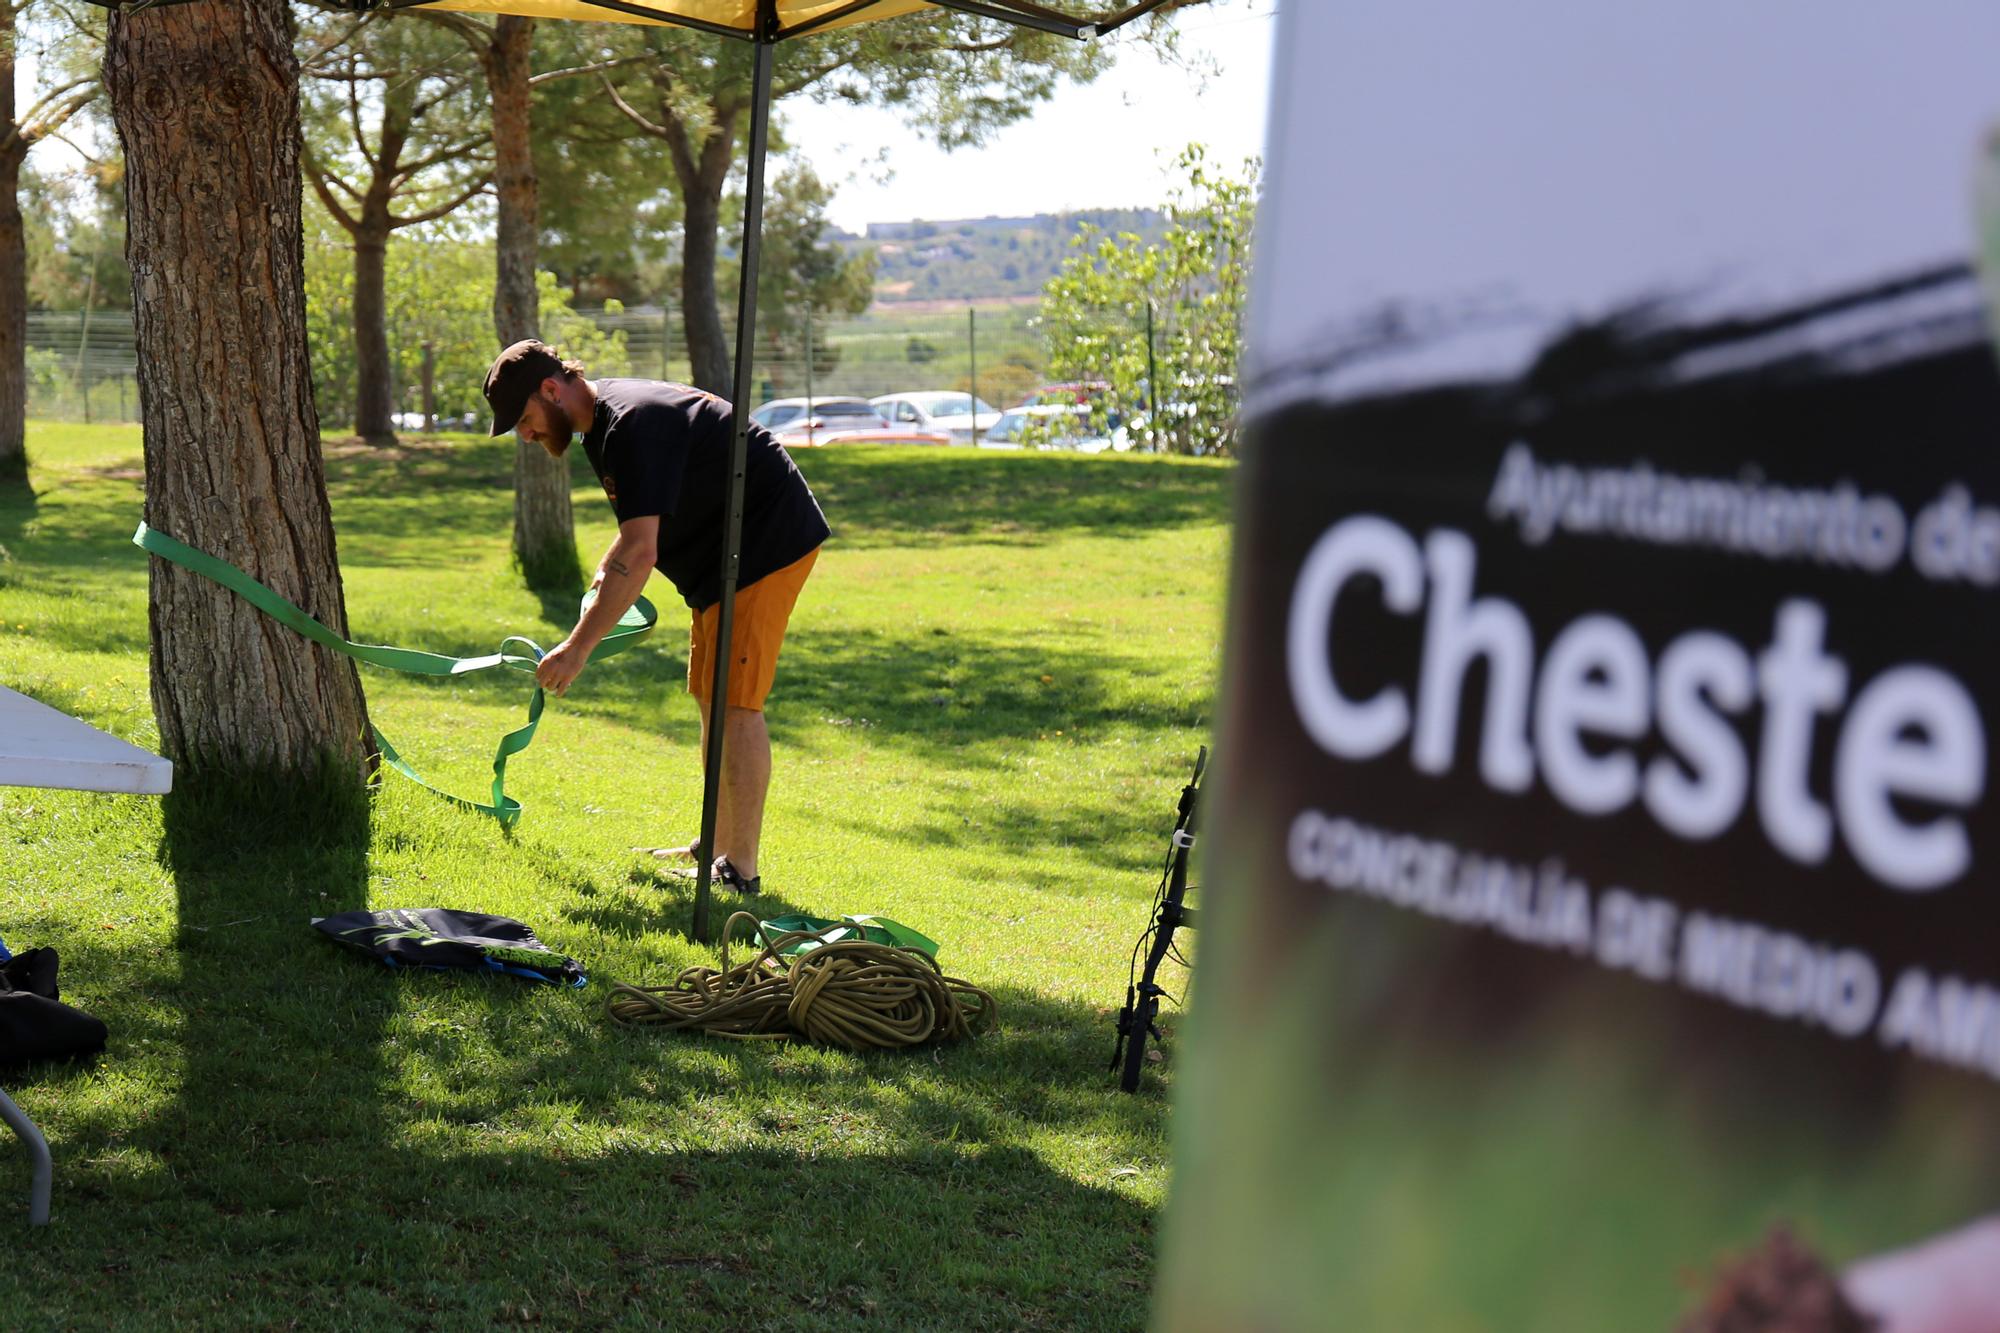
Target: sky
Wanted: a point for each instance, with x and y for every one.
(1100, 145)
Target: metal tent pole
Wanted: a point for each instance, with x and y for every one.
(739, 451)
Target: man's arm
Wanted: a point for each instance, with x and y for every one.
(621, 577)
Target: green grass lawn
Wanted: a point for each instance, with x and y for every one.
(990, 695)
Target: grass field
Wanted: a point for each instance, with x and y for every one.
(989, 698)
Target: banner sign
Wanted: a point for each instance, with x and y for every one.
(1604, 861)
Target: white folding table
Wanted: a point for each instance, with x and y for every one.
(41, 747)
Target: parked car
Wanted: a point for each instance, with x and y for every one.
(1068, 391)
(798, 437)
(1054, 426)
(850, 413)
(941, 410)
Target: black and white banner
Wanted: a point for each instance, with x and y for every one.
(1605, 833)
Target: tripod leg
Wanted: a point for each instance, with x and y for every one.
(1143, 1014)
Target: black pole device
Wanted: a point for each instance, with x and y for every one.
(739, 452)
(1170, 913)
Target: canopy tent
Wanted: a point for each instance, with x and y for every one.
(770, 21)
(763, 23)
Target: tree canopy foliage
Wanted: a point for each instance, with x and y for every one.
(1178, 386)
(805, 278)
(438, 289)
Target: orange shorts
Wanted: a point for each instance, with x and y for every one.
(762, 611)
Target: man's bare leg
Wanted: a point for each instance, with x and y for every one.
(746, 781)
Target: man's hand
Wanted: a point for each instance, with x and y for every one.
(563, 664)
(620, 576)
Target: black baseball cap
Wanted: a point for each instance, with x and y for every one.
(513, 378)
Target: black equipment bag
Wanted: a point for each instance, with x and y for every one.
(34, 1023)
(442, 939)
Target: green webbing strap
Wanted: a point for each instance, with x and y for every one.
(635, 625)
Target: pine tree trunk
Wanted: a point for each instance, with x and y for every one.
(374, 398)
(13, 276)
(544, 527)
(13, 318)
(205, 96)
(516, 308)
(701, 315)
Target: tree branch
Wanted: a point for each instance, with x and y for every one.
(453, 84)
(52, 94)
(42, 120)
(318, 177)
(431, 215)
(551, 75)
(477, 35)
(354, 119)
(802, 82)
(330, 74)
(441, 155)
(636, 117)
(76, 148)
(335, 44)
(57, 117)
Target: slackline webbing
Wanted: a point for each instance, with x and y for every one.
(635, 625)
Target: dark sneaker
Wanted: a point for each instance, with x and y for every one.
(722, 873)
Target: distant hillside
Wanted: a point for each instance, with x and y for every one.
(977, 258)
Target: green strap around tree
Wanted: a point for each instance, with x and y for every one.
(635, 625)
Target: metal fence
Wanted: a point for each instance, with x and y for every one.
(81, 365)
(888, 349)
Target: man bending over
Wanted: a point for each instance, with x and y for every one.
(662, 454)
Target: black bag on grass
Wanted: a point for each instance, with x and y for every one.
(34, 1023)
(441, 939)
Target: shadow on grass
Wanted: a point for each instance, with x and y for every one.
(278, 1048)
(661, 1235)
(1099, 832)
(501, 1153)
(17, 511)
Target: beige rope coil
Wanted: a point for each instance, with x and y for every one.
(856, 994)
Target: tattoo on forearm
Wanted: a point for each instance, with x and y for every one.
(616, 566)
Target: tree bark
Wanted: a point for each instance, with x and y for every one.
(544, 524)
(509, 65)
(374, 396)
(13, 273)
(205, 96)
(13, 317)
(701, 313)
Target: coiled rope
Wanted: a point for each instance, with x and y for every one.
(855, 994)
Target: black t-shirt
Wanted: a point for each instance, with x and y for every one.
(664, 449)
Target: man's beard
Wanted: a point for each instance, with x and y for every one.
(560, 424)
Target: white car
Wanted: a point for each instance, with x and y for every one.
(834, 411)
(1052, 426)
(939, 411)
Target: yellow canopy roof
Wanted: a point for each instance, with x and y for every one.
(739, 17)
